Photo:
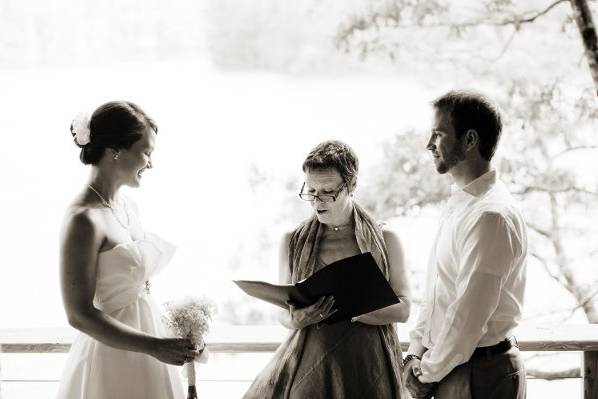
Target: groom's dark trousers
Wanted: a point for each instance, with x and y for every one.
(486, 375)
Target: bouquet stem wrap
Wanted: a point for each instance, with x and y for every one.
(190, 373)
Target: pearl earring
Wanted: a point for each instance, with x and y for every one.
(116, 156)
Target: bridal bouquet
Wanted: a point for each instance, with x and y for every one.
(189, 318)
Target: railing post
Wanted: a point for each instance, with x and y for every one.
(590, 374)
(0, 371)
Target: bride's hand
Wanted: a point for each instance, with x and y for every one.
(319, 311)
(175, 351)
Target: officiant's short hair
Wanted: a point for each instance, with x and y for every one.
(334, 154)
(472, 110)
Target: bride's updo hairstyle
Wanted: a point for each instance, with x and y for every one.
(334, 154)
(116, 124)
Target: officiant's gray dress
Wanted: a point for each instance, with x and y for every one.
(344, 360)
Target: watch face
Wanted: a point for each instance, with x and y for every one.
(408, 358)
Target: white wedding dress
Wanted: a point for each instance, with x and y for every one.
(96, 371)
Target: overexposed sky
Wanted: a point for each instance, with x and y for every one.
(213, 126)
(235, 89)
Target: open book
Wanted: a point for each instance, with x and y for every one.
(356, 283)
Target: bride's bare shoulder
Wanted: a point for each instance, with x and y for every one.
(82, 216)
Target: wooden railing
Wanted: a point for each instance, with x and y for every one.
(248, 339)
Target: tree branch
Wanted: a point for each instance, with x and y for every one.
(584, 302)
(505, 47)
(578, 291)
(394, 19)
(543, 262)
(539, 230)
(564, 312)
(551, 190)
(537, 15)
(575, 148)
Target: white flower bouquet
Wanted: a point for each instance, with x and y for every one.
(189, 318)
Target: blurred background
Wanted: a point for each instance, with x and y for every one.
(241, 91)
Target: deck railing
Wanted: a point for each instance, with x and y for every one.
(251, 339)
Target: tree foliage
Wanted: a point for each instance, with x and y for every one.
(404, 181)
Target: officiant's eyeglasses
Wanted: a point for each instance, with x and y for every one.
(321, 197)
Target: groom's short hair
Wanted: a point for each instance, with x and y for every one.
(471, 110)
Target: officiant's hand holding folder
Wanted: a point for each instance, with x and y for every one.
(356, 283)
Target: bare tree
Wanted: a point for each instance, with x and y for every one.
(368, 31)
(547, 131)
(587, 30)
(550, 131)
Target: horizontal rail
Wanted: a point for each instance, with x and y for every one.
(256, 339)
(213, 347)
(252, 339)
(197, 379)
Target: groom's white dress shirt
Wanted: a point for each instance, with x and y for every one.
(476, 277)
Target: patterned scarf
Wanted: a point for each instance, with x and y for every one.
(277, 379)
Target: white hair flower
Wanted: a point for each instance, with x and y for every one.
(80, 129)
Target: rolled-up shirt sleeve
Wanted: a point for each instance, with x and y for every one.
(488, 252)
(416, 335)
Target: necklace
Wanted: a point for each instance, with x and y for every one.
(340, 227)
(107, 205)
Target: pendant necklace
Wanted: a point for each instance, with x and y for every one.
(107, 205)
(340, 227)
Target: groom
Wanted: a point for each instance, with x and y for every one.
(462, 345)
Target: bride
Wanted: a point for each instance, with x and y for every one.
(106, 263)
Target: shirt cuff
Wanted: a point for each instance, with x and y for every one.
(430, 373)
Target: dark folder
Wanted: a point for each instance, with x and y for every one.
(356, 283)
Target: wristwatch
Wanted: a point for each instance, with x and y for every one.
(409, 358)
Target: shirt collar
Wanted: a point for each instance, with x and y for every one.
(479, 185)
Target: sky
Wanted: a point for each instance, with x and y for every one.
(213, 128)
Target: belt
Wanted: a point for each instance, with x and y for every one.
(489, 351)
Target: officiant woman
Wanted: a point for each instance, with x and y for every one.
(357, 358)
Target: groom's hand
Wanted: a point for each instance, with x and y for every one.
(416, 388)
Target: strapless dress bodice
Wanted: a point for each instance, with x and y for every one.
(124, 271)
